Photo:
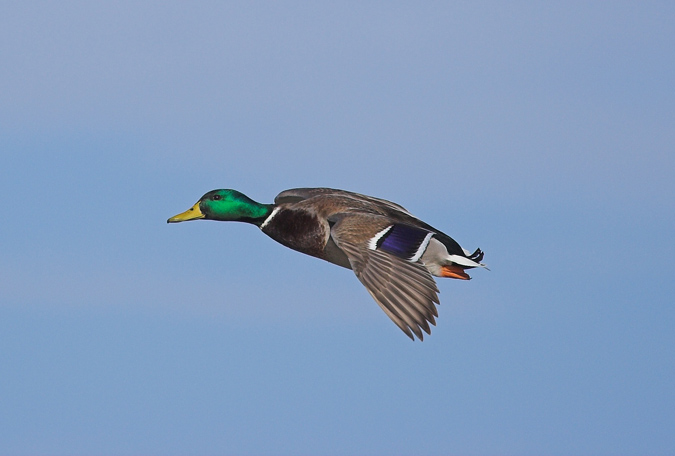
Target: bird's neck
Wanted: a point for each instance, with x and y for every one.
(256, 213)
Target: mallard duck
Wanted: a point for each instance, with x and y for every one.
(392, 252)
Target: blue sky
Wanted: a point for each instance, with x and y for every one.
(542, 133)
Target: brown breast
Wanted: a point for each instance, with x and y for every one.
(300, 230)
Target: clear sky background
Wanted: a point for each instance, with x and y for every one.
(543, 133)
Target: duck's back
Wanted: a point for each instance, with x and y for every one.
(331, 201)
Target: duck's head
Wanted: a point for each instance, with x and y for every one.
(225, 205)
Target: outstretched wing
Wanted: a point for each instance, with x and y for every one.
(402, 287)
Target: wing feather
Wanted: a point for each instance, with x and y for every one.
(404, 289)
(295, 195)
(391, 298)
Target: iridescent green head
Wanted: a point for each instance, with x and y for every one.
(225, 205)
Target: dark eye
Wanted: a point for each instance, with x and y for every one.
(215, 197)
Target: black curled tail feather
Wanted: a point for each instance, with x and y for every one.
(476, 256)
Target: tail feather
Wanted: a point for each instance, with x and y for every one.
(464, 262)
(476, 256)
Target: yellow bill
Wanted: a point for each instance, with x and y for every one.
(191, 214)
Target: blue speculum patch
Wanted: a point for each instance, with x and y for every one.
(402, 241)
